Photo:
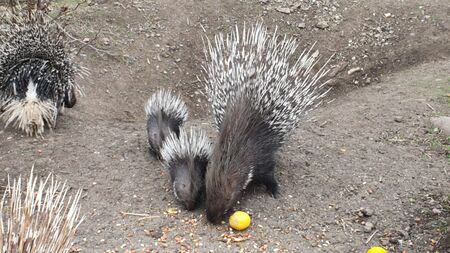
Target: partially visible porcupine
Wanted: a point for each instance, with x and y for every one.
(36, 73)
(166, 113)
(42, 219)
(186, 156)
(258, 96)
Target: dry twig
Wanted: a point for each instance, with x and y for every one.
(371, 236)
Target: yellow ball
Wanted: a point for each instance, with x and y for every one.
(240, 220)
(377, 250)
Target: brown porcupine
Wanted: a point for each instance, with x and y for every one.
(44, 218)
(258, 96)
(166, 113)
(186, 156)
(36, 73)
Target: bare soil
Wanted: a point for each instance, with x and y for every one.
(367, 162)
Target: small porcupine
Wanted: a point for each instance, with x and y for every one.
(36, 73)
(186, 156)
(44, 218)
(258, 96)
(166, 113)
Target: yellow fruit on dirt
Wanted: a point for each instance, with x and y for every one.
(377, 250)
(240, 220)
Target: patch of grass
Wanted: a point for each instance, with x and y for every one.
(437, 143)
(448, 149)
(442, 227)
(446, 90)
(446, 204)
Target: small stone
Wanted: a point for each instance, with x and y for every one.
(384, 242)
(387, 14)
(398, 119)
(436, 211)
(86, 40)
(442, 123)
(354, 70)
(368, 227)
(367, 212)
(304, 7)
(301, 25)
(322, 24)
(155, 233)
(284, 10)
(106, 41)
(394, 241)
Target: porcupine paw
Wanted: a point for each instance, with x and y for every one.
(271, 186)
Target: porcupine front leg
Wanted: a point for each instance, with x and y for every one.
(271, 184)
(268, 178)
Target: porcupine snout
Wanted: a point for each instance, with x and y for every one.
(186, 157)
(183, 187)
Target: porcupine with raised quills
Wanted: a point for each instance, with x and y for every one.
(186, 156)
(258, 96)
(43, 217)
(36, 73)
(166, 113)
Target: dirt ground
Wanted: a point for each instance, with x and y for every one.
(366, 168)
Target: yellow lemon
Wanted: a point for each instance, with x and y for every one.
(377, 250)
(240, 220)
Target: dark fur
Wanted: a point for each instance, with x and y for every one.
(70, 98)
(37, 70)
(36, 51)
(245, 141)
(158, 128)
(189, 174)
(44, 76)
